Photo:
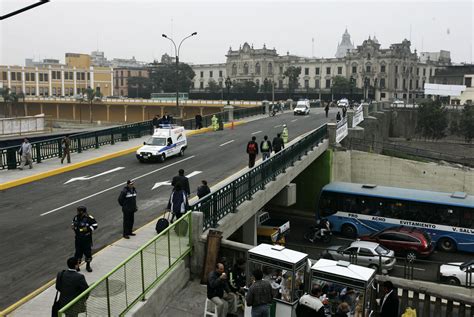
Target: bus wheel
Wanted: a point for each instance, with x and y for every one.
(446, 245)
(348, 231)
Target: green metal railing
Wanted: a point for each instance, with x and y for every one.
(41, 150)
(118, 291)
(225, 200)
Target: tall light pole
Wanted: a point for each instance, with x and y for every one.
(176, 52)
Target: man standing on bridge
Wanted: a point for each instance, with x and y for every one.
(26, 153)
(182, 181)
(128, 201)
(83, 225)
(252, 151)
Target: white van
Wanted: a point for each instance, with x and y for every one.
(302, 107)
(165, 142)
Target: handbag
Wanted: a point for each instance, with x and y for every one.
(55, 308)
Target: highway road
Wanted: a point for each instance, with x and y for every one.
(426, 270)
(36, 217)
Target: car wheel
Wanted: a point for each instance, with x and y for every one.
(374, 266)
(348, 231)
(181, 152)
(411, 256)
(162, 158)
(453, 281)
(446, 245)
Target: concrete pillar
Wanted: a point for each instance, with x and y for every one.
(36, 82)
(350, 117)
(332, 132)
(266, 104)
(74, 110)
(143, 113)
(250, 231)
(9, 78)
(181, 110)
(25, 106)
(201, 111)
(57, 111)
(125, 113)
(199, 247)
(365, 109)
(108, 113)
(162, 111)
(92, 77)
(50, 82)
(62, 80)
(74, 76)
(41, 108)
(23, 81)
(230, 109)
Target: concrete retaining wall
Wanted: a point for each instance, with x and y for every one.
(363, 167)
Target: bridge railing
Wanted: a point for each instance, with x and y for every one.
(119, 290)
(226, 199)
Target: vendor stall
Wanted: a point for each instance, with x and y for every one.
(285, 270)
(342, 281)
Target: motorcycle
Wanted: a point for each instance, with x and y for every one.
(273, 112)
(315, 233)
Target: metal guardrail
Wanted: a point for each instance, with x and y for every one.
(225, 200)
(41, 150)
(396, 150)
(10, 157)
(118, 291)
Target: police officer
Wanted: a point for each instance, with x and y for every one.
(83, 225)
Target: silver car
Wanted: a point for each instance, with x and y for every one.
(364, 253)
(458, 273)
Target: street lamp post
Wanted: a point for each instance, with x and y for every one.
(228, 84)
(176, 51)
(366, 88)
(352, 81)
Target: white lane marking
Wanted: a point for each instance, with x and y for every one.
(277, 126)
(113, 187)
(85, 178)
(227, 142)
(257, 132)
(293, 120)
(168, 183)
(415, 268)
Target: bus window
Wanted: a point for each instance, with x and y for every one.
(397, 209)
(467, 218)
(449, 215)
(328, 204)
(350, 204)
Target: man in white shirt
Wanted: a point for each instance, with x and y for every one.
(26, 154)
(310, 304)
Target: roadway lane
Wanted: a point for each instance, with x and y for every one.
(36, 217)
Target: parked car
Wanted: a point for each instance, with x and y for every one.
(406, 241)
(369, 254)
(343, 103)
(457, 273)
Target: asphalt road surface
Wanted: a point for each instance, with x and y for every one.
(36, 217)
(426, 270)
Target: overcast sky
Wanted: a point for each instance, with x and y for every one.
(123, 29)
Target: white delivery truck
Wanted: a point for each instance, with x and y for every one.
(166, 141)
(302, 107)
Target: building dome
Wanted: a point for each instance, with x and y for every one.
(345, 45)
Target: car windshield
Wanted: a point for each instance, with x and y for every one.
(380, 249)
(156, 141)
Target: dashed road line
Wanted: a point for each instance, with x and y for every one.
(293, 120)
(227, 142)
(257, 132)
(279, 125)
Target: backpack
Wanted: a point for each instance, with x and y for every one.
(252, 148)
(265, 146)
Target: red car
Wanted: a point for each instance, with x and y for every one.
(407, 241)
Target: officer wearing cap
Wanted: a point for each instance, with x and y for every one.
(83, 225)
(128, 201)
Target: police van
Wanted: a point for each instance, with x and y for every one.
(167, 140)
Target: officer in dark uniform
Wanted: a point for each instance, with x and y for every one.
(83, 225)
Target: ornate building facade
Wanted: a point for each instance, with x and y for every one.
(387, 73)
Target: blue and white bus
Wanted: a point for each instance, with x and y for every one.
(357, 209)
(169, 96)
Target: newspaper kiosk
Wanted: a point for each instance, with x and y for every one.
(346, 282)
(285, 269)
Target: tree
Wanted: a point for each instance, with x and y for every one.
(139, 86)
(91, 96)
(342, 85)
(432, 120)
(466, 125)
(164, 77)
(213, 87)
(266, 87)
(293, 74)
(248, 88)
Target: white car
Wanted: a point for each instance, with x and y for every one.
(457, 273)
(343, 103)
(301, 109)
(165, 142)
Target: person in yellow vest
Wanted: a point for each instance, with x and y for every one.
(215, 123)
(284, 134)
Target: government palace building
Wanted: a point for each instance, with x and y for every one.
(390, 73)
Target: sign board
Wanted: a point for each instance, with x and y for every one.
(341, 130)
(444, 90)
(358, 116)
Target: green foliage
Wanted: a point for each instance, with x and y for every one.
(342, 85)
(432, 120)
(213, 87)
(466, 125)
(248, 88)
(164, 77)
(293, 74)
(139, 86)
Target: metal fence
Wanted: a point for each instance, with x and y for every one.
(41, 150)
(404, 151)
(117, 292)
(225, 200)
